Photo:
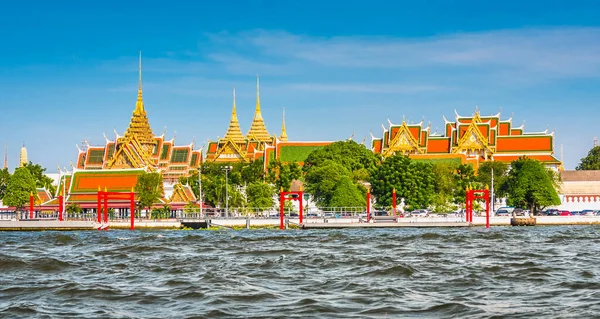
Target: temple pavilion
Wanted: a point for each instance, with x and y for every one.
(258, 143)
(468, 140)
(116, 165)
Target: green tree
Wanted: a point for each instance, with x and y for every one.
(445, 186)
(351, 155)
(413, 180)
(4, 177)
(530, 185)
(74, 208)
(484, 176)
(347, 194)
(41, 180)
(260, 195)
(464, 176)
(253, 172)
(149, 189)
(20, 186)
(591, 161)
(282, 174)
(321, 181)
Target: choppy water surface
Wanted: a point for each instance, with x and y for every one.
(389, 273)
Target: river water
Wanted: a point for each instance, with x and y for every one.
(537, 272)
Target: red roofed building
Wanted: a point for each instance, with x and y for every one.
(467, 140)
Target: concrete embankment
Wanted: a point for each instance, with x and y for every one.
(310, 223)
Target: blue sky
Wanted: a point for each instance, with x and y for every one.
(68, 71)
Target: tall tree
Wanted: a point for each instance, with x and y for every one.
(347, 194)
(445, 186)
(260, 195)
(413, 180)
(591, 161)
(20, 186)
(530, 185)
(351, 155)
(149, 188)
(41, 180)
(253, 172)
(484, 175)
(321, 181)
(4, 177)
(464, 176)
(282, 174)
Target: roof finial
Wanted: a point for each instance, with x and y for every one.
(258, 131)
(257, 93)
(283, 136)
(5, 155)
(139, 105)
(234, 132)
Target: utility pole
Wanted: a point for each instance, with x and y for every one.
(200, 188)
(226, 169)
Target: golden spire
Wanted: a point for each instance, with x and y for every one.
(283, 136)
(139, 125)
(5, 155)
(258, 131)
(139, 105)
(234, 132)
(23, 158)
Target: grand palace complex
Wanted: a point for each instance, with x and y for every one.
(116, 165)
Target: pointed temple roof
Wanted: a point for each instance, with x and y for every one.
(283, 136)
(258, 131)
(234, 132)
(139, 125)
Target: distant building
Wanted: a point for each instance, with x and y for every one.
(468, 140)
(116, 165)
(579, 190)
(258, 143)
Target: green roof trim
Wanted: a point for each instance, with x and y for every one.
(179, 155)
(296, 153)
(96, 156)
(165, 152)
(456, 160)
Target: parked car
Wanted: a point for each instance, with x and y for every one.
(551, 212)
(588, 212)
(565, 213)
(419, 213)
(502, 212)
(519, 212)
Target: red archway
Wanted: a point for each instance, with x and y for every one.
(104, 196)
(473, 194)
(283, 196)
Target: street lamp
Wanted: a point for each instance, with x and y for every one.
(200, 187)
(226, 169)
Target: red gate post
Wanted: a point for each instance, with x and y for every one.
(487, 208)
(368, 205)
(99, 205)
(132, 209)
(30, 205)
(394, 202)
(468, 204)
(281, 204)
(301, 199)
(105, 206)
(60, 208)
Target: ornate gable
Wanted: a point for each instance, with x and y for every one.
(230, 150)
(473, 140)
(403, 142)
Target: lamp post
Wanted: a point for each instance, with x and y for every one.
(200, 188)
(226, 169)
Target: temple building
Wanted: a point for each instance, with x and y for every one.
(258, 143)
(468, 140)
(116, 165)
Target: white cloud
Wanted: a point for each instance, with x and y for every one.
(540, 53)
